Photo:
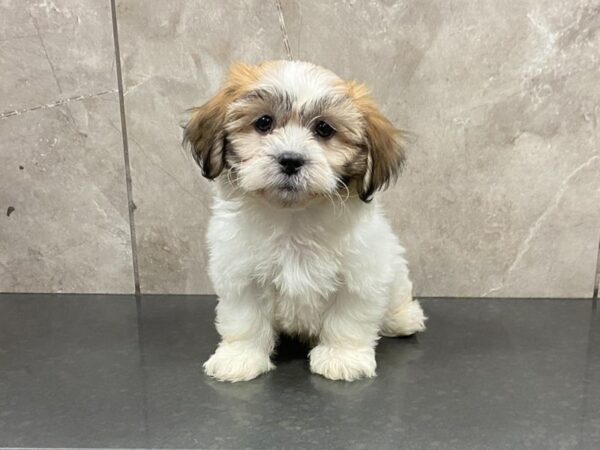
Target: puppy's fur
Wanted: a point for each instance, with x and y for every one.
(301, 248)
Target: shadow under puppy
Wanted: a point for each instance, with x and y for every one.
(296, 243)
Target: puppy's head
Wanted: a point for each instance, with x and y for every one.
(291, 131)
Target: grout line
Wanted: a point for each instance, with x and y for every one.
(597, 278)
(130, 203)
(286, 41)
(54, 104)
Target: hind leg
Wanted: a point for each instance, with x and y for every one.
(404, 315)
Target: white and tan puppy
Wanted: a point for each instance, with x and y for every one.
(296, 244)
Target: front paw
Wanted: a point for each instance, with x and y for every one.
(237, 362)
(343, 363)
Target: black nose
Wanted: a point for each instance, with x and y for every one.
(290, 162)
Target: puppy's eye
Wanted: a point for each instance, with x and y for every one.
(264, 124)
(324, 130)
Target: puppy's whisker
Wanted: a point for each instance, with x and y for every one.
(229, 180)
(332, 200)
(336, 212)
(342, 202)
(344, 186)
(235, 188)
(335, 199)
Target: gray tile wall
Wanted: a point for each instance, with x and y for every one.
(64, 225)
(501, 196)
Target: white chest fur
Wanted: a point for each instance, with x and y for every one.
(301, 278)
(294, 259)
(298, 269)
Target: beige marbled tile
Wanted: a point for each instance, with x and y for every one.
(63, 180)
(501, 195)
(174, 60)
(52, 50)
(62, 167)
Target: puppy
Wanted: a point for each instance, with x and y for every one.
(296, 243)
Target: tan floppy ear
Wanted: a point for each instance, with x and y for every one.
(205, 134)
(383, 145)
(205, 131)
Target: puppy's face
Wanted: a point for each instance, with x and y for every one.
(290, 132)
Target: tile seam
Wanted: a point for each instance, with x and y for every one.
(126, 159)
(596, 278)
(54, 104)
(283, 28)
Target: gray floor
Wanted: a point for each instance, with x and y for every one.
(107, 371)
